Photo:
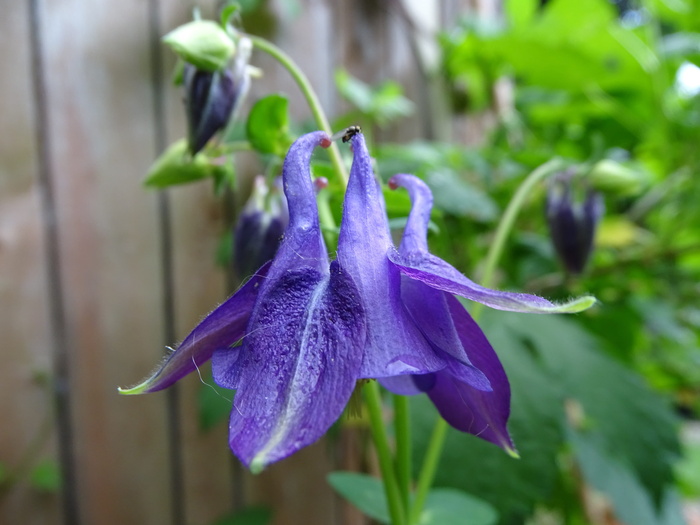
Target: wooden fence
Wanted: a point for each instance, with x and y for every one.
(97, 274)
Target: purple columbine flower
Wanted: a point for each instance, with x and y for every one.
(572, 225)
(308, 330)
(302, 331)
(212, 98)
(413, 320)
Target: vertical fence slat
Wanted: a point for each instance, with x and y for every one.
(61, 383)
(98, 85)
(199, 285)
(28, 434)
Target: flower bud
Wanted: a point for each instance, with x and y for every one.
(212, 98)
(202, 43)
(260, 227)
(612, 177)
(572, 224)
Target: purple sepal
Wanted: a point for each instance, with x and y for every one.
(484, 414)
(221, 329)
(297, 366)
(394, 345)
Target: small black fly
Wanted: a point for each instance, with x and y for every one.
(351, 132)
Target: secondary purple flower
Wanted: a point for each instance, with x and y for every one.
(414, 324)
(212, 97)
(572, 224)
(302, 328)
(259, 228)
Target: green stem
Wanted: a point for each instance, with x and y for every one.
(402, 428)
(508, 219)
(427, 473)
(310, 95)
(325, 216)
(393, 496)
(437, 439)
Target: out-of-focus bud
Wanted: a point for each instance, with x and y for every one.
(261, 225)
(260, 228)
(610, 176)
(202, 43)
(572, 223)
(212, 98)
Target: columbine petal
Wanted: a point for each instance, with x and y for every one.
(298, 367)
(394, 345)
(429, 309)
(484, 414)
(220, 329)
(415, 262)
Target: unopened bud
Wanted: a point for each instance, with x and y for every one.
(610, 176)
(202, 43)
(212, 98)
(572, 224)
(260, 228)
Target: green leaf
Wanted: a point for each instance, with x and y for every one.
(176, 166)
(3, 473)
(455, 195)
(247, 516)
(688, 471)
(214, 403)
(632, 503)
(363, 491)
(625, 418)
(382, 103)
(521, 12)
(454, 507)
(46, 476)
(268, 125)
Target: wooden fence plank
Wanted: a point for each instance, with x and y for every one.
(27, 437)
(102, 135)
(198, 223)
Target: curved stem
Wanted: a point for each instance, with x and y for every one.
(508, 219)
(381, 443)
(310, 95)
(437, 439)
(402, 429)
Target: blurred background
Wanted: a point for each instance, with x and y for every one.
(98, 274)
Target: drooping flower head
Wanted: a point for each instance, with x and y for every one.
(294, 340)
(572, 224)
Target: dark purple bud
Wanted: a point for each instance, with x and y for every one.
(260, 228)
(211, 98)
(572, 223)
